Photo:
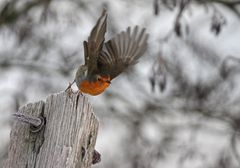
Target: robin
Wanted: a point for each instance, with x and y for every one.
(106, 60)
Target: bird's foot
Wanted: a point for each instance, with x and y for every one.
(69, 86)
(69, 89)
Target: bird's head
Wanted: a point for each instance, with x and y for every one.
(103, 79)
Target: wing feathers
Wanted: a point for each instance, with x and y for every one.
(85, 47)
(114, 56)
(123, 50)
(93, 47)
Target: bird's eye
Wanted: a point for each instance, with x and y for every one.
(99, 78)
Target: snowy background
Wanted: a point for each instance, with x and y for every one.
(179, 107)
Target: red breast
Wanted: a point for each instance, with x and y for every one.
(95, 87)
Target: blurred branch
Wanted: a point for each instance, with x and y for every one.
(229, 66)
(225, 2)
(218, 20)
(159, 74)
(177, 25)
(36, 66)
(234, 147)
(156, 7)
(232, 5)
(9, 14)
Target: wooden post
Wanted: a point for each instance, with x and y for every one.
(67, 139)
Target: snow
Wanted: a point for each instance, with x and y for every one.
(199, 55)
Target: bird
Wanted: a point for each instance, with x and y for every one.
(106, 60)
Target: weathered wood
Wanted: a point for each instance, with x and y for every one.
(66, 141)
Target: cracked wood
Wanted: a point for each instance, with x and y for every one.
(67, 140)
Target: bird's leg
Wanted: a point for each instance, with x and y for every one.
(69, 86)
(69, 90)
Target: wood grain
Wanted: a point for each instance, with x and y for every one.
(67, 140)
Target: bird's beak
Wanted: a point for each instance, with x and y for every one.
(109, 81)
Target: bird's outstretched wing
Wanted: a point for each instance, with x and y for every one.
(122, 51)
(95, 42)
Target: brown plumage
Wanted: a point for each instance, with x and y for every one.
(105, 61)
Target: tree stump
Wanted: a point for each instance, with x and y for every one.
(67, 139)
